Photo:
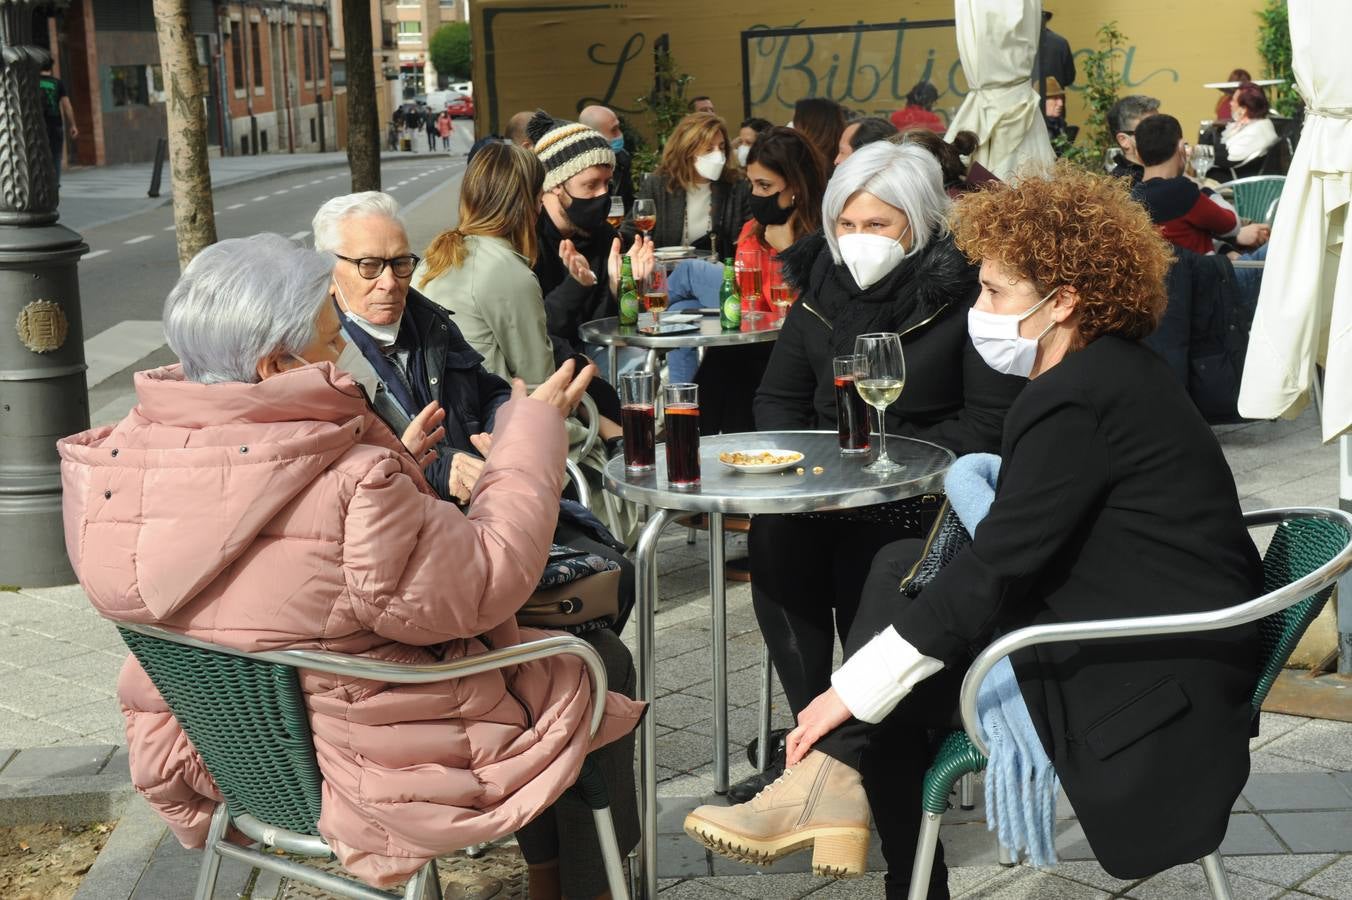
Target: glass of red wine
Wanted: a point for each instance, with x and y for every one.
(638, 395)
(680, 404)
(851, 410)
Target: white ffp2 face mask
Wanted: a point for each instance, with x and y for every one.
(742, 153)
(710, 165)
(385, 335)
(996, 337)
(869, 257)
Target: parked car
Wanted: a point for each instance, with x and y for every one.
(463, 87)
(461, 107)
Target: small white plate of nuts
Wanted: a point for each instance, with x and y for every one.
(759, 461)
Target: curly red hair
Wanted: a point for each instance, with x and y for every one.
(1072, 227)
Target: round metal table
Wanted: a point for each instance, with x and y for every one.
(842, 483)
(610, 334)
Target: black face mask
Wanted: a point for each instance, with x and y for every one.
(588, 214)
(768, 211)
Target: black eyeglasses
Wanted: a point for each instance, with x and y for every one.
(370, 267)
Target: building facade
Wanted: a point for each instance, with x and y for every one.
(415, 21)
(265, 63)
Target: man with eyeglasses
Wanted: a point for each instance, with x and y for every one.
(405, 349)
(1123, 118)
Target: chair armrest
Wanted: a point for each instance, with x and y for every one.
(579, 480)
(413, 673)
(1141, 626)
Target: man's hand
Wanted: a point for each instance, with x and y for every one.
(424, 433)
(819, 717)
(465, 471)
(576, 264)
(1255, 234)
(640, 259)
(563, 390)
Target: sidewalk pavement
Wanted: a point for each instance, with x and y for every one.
(93, 196)
(1290, 833)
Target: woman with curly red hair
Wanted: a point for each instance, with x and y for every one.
(1245, 142)
(1113, 500)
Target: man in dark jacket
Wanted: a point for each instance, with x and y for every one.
(1054, 58)
(607, 124)
(1123, 117)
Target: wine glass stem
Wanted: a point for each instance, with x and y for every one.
(882, 434)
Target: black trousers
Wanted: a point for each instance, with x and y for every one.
(891, 757)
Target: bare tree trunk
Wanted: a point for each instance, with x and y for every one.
(363, 131)
(194, 214)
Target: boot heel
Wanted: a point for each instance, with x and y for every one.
(840, 855)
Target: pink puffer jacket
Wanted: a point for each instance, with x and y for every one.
(285, 514)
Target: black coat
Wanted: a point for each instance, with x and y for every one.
(569, 304)
(1055, 60)
(727, 210)
(1114, 500)
(442, 366)
(623, 179)
(951, 398)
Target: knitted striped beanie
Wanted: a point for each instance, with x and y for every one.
(566, 148)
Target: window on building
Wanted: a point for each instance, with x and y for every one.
(237, 56)
(256, 43)
(410, 31)
(129, 85)
(306, 64)
(321, 50)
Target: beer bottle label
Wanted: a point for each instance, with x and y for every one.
(731, 313)
(629, 308)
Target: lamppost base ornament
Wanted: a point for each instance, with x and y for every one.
(42, 326)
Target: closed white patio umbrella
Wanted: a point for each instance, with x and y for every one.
(997, 41)
(1304, 311)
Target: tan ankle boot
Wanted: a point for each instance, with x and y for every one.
(819, 803)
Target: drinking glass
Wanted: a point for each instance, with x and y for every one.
(851, 410)
(655, 292)
(680, 405)
(616, 214)
(638, 395)
(879, 376)
(781, 294)
(748, 271)
(645, 216)
(1203, 156)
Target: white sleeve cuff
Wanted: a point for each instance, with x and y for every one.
(875, 679)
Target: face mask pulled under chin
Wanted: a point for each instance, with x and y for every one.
(996, 337)
(870, 257)
(589, 213)
(385, 335)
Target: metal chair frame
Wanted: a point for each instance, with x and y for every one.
(974, 757)
(424, 883)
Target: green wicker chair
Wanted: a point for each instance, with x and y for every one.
(246, 716)
(1310, 549)
(1256, 197)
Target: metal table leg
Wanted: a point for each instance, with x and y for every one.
(719, 602)
(645, 567)
(766, 673)
(612, 359)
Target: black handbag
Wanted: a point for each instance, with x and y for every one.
(947, 538)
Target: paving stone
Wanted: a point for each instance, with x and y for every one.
(1314, 832)
(671, 813)
(1248, 834)
(680, 857)
(795, 863)
(1189, 881)
(36, 694)
(1334, 881)
(1344, 779)
(125, 856)
(1285, 869)
(867, 888)
(30, 732)
(1263, 763)
(5, 756)
(1296, 792)
(1092, 874)
(96, 716)
(968, 878)
(765, 886)
(1071, 844)
(1323, 743)
(1022, 883)
(968, 845)
(26, 648)
(165, 879)
(58, 762)
(696, 889)
(683, 710)
(684, 751)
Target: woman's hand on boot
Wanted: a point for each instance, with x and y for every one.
(818, 718)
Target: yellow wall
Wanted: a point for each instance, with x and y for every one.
(563, 54)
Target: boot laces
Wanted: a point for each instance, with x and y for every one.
(772, 785)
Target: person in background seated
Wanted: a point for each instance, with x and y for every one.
(919, 110)
(607, 124)
(272, 509)
(821, 121)
(1123, 118)
(1054, 115)
(1113, 500)
(516, 129)
(1250, 135)
(1185, 215)
(1223, 108)
(701, 104)
(860, 132)
(693, 189)
(746, 136)
(959, 177)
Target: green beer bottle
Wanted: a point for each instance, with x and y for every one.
(729, 300)
(628, 293)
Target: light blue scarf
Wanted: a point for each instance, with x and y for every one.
(1021, 785)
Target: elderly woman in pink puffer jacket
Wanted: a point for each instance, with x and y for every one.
(252, 498)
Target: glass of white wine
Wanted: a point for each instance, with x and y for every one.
(879, 376)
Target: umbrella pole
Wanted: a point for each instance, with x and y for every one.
(1345, 583)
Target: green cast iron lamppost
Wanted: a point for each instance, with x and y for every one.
(43, 395)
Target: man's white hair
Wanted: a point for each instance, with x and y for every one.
(906, 176)
(332, 213)
(242, 300)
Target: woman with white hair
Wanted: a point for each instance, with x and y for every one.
(254, 499)
(885, 262)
